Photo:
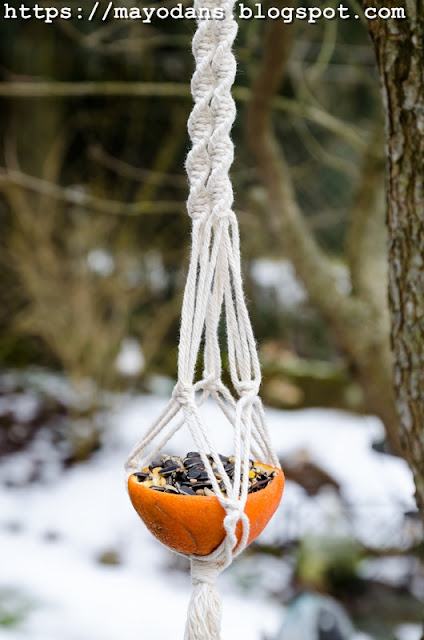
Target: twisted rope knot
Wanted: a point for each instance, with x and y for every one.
(184, 393)
(234, 513)
(211, 383)
(198, 204)
(248, 388)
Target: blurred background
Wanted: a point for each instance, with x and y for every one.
(94, 245)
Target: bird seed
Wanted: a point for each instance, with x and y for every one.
(188, 475)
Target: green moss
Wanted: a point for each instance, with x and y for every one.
(328, 563)
(14, 607)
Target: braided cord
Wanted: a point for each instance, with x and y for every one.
(213, 286)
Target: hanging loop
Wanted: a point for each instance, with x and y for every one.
(213, 299)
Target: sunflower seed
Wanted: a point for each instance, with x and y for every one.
(197, 473)
(202, 485)
(166, 471)
(261, 484)
(193, 462)
(141, 477)
(187, 475)
(170, 489)
(188, 491)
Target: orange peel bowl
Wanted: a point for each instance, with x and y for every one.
(194, 524)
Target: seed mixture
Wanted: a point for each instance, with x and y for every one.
(188, 476)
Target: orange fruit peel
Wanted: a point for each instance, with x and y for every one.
(194, 524)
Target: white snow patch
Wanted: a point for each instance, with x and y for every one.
(409, 632)
(52, 533)
(101, 262)
(130, 359)
(392, 570)
(157, 276)
(279, 277)
(23, 406)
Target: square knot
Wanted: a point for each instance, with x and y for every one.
(234, 513)
(184, 393)
(211, 383)
(248, 388)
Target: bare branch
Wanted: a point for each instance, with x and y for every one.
(165, 155)
(316, 149)
(320, 65)
(285, 219)
(106, 43)
(53, 89)
(357, 325)
(126, 170)
(78, 196)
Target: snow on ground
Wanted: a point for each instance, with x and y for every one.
(52, 534)
(377, 488)
(409, 632)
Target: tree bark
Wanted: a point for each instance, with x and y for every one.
(399, 47)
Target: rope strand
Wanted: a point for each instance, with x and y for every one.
(214, 285)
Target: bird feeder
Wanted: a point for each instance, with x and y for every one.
(194, 524)
(215, 524)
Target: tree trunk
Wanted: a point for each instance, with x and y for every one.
(399, 46)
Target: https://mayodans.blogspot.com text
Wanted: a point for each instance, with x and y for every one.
(242, 11)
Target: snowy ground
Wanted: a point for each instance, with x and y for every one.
(52, 534)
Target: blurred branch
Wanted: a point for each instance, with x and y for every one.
(165, 156)
(122, 168)
(52, 165)
(77, 196)
(326, 52)
(358, 326)
(96, 40)
(91, 40)
(315, 148)
(52, 89)
(141, 45)
(137, 45)
(155, 333)
(285, 219)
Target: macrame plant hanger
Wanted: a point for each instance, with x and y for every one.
(213, 287)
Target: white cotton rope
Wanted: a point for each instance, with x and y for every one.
(214, 284)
